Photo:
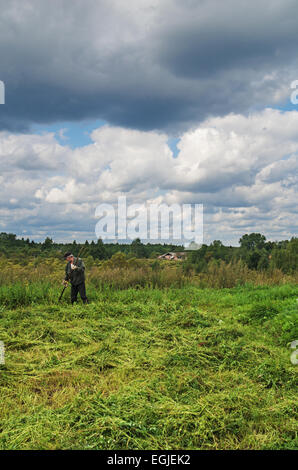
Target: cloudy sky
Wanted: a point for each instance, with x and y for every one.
(158, 100)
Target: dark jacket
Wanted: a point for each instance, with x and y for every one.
(75, 276)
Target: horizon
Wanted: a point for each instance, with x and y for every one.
(129, 242)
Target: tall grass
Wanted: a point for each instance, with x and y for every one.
(236, 273)
(17, 294)
(41, 282)
(122, 278)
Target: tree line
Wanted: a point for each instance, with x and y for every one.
(13, 247)
(254, 250)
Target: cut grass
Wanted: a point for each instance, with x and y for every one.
(152, 369)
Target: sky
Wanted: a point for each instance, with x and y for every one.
(162, 101)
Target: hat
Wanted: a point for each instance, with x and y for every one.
(67, 254)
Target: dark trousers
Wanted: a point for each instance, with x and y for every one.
(80, 288)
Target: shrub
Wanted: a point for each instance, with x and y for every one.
(260, 312)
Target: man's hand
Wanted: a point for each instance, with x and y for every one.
(73, 266)
(65, 283)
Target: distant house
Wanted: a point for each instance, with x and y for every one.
(170, 255)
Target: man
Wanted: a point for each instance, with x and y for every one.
(75, 273)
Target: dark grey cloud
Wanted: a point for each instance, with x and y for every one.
(147, 64)
(219, 36)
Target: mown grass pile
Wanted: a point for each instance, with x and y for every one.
(177, 368)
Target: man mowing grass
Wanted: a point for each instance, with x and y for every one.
(75, 273)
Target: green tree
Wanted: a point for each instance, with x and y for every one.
(138, 249)
(48, 243)
(252, 241)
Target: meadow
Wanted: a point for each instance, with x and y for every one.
(167, 363)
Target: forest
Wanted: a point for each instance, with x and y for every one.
(253, 251)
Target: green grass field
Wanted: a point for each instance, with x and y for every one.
(145, 368)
